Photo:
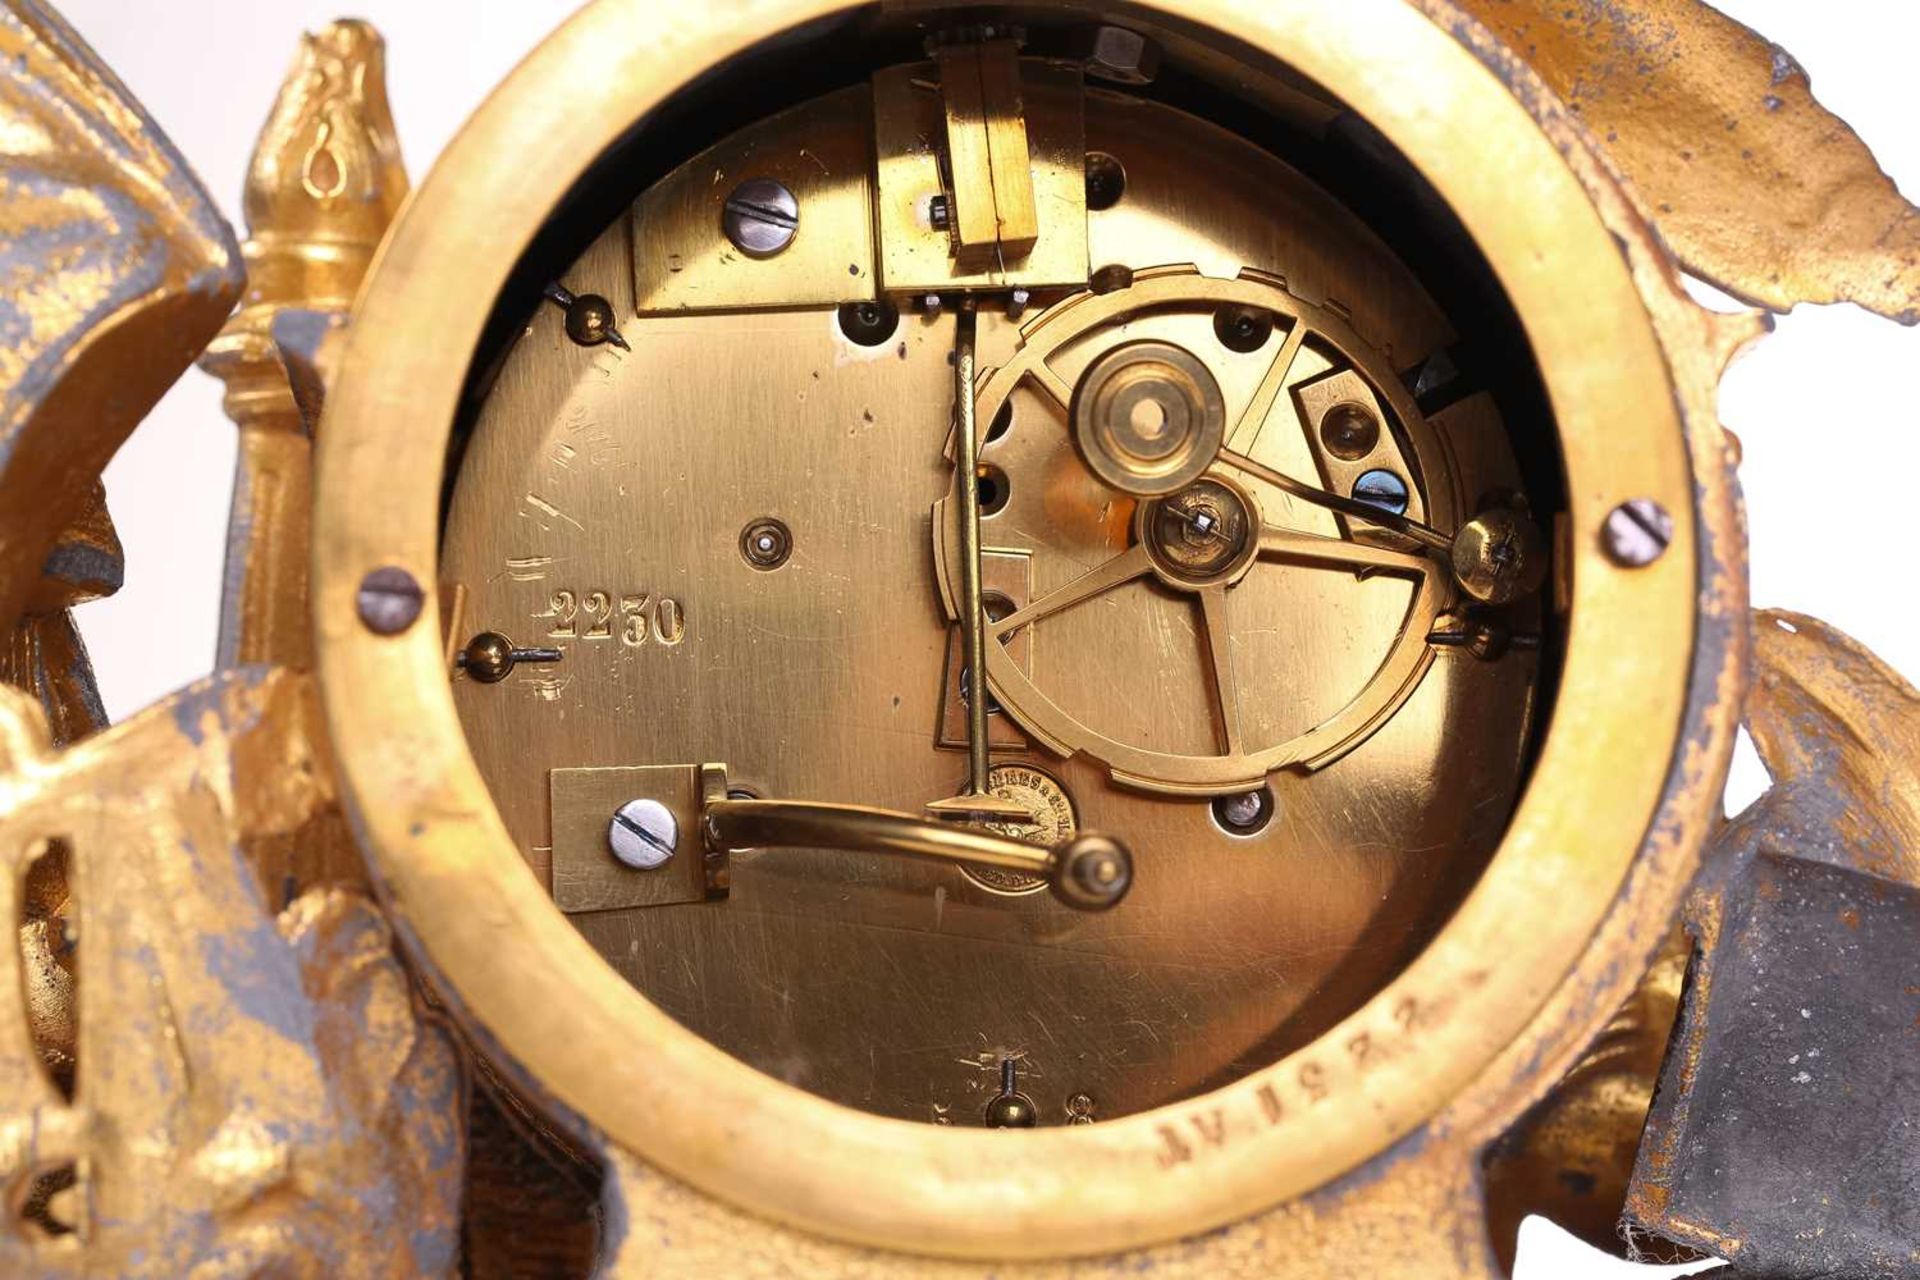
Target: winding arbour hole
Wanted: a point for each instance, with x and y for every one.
(994, 490)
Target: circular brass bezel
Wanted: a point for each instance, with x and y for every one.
(558, 1020)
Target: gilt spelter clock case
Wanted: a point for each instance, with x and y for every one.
(910, 639)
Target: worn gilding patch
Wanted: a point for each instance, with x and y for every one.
(1754, 184)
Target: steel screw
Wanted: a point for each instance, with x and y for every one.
(643, 834)
(761, 217)
(1244, 814)
(1383, 489)
(940, 213)
(1637, 533)
(1120, 55)
(390, 600)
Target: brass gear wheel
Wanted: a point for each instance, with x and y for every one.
(1182, 542)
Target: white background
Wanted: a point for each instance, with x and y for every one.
(1824, 407)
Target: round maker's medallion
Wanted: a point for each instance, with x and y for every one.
(1053, 822)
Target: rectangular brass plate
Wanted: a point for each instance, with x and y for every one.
(586, 875)
(1312, 401)
(821, 151)
(909, 130)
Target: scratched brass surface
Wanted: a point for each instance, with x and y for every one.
(600, 484)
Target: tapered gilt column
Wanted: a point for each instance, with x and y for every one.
(325, 181)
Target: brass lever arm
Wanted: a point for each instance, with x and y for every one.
(1352, 508)
(1089, 872)
(1495, 557)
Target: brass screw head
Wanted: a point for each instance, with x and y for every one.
(1011, 1111)
(1499, 556)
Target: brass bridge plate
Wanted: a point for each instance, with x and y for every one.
(586, 875)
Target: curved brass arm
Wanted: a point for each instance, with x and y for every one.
(1354, 509)
(1089, 872)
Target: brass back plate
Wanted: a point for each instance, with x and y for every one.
(598, 477)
